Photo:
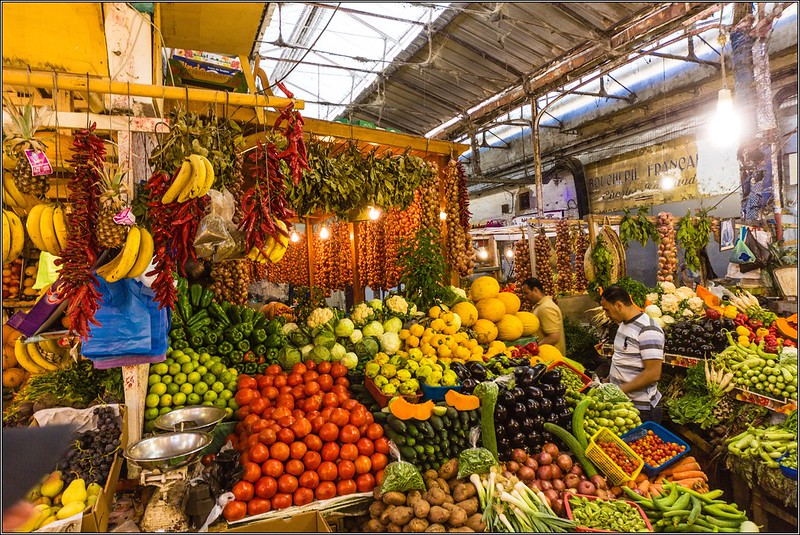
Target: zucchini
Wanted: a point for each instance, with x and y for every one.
(577, 423)
(574, 447)
(407, 453)
(400, 440)
(397, 424)
(436, 423)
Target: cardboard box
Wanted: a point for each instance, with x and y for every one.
(311, 522)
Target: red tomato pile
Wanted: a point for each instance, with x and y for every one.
(302, 439)
(655, 451)
(619, 457)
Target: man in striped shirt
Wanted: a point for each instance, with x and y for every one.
(638, 352)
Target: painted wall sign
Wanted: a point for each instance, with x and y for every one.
(657, 174)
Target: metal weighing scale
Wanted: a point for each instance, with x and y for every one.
(169, 462)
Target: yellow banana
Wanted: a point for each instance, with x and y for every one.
(11, 187)
(32, 224)
(180, 183)
(209, 176)
(106, 269)
(145, 254)
(17, 236)
(50, 346)
(38, 358)
(277, 253)
(48, 231)
(60, 226)
(198, 179)
(283, 238)
(25, 360)
(7, 198)
(128, 255)
(6, 238)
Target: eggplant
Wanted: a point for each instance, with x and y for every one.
(520, 362)
(560, 389)
(545, 406)
(500, 431)
(559, 404)
(531, 407)
(519, 409)
(539, 370)
(565, 421)
(512, 427)
(528, 425)
(528, 377)
(548, 390)
(504, 445)
(460, 370)
(519, 371)
(518, 440)
(469, 384)
(534, 392)
(706, 350)
(506, 398)
(538, 422)
(518, 394)
(500, 414)
(547, 437)
(477, 370)
(550, 378)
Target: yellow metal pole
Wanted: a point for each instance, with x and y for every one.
(72, 82)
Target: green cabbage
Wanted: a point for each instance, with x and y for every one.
(319, 354)
(390, 343)
(356, 336)
(367, 348)
(344, 328)
(288, 357)
(393, 325)
(376, 304)
(299, 338)
(337, 352)
(306, 349)
(349, 361)
(373, 328)
(326, 339)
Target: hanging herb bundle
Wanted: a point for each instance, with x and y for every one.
(79, 286)
(603, 262)
(423, 268)
(639, 228)
(694, 234)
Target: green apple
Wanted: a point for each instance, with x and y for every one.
(151, 401)
(151, 413)
(179, 378)
(193, 399)
(202, 370)
(164, 410)
(200, 388)
(166, 400)
(208, 403)
(226, 377)
(173, 389)
(179, 398)
(153, 379)
(149, 426)
(161, 368)
(188, 367)
(158, 389)
(220, 403)
(187, 388)
(166, 379)
(174, 369)
(209, 379)
(217, 387)
(218, 369)
(226, 394)
(210, 396)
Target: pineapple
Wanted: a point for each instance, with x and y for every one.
(113, 199)
(24, 123)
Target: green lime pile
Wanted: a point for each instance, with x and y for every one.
(188, 378)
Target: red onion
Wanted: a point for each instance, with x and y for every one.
(526, 474)
(555, 472)
(536, 484)
(586, 487)
(564, 461)
(545, 458)
(551, 448)
(544, 473)
(558, 506)
(552, 497)
(545, 485)
(599, 481)
(519, 455)
(558, 484)
(531, 463)
(571, 481)
(512, 466)
(576, 469)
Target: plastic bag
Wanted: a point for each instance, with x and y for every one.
(216, 237)
(400, 475)
(741, 252)
(474, 460)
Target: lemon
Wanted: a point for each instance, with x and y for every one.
(200, 388)
(183, 359)
(226, 376)
(217, 387)
(232, 386)
(194, 378)
(153, 379)
(151, 413)
(151, 401)
(179, 378)
(159, 389)
(204, 358)
(202, 370)
(164, 410)
(173, 389)
(217, 369)
(226, 395)
(188, 367)
(187, 388)
(193, 399)
(220, 403)
(179, 399)
(208, 403)
(174, 368)
(166, 400)
(210, 396)
(232, 404)
(209, 379)
(161, 368)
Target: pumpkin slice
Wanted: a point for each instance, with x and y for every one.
(424, 410)
(402, 409)
(786, 329)
(462, 402)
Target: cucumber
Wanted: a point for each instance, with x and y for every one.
(379, 417)
(577, 423)
(427, 428)
(410, 441)
(452, 413)
(398, 439)
(419, 449)
(436, 423)
(408, 453)
(413, 430)
(574, 447)
(397, 424)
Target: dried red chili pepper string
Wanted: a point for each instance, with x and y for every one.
(294, 154)
(161, 216)
(79, 285)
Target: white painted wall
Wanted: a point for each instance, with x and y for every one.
(129, 36)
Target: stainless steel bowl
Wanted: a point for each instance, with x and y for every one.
(195, 418)
(169, 451)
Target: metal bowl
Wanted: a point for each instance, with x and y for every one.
(169, 451)
(195, 418)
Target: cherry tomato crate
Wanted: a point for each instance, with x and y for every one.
(635, 434)
(585, 379)
(595, 453)
(582, 529)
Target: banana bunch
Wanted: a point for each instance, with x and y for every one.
(273, 249)
(193, 180)
(13, 197)
(47, 227)
(41, 357)
(134, 258)
(13, 236)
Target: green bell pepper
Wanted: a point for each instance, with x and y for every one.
(177, 320)
(272, 354)
(212, 349)
(275, 340)
(258, 336)
(225, 306)
(225, 348)
(196, 341)
(180, 344)
(206, 298)
(236, 357)
(177, 334)
(243, 345)
(195, 294)
(262, 367)
(233, 315)
(246, 328)
(260, 349)
(259, 321)
(215, 311)
(234, 335)
(247, 314)
(183, 285)
(250, 368)
(184, 307)
(272, 327)
(211, 337)
(201, 350)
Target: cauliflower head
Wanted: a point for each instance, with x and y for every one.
(319, 317)
(397, 305)
(362, 314)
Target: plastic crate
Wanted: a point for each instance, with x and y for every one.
(381, 398)
(634, 434)
(585, 379)
(437, 393)
(789, 472)
(582, 529)
(595, 453)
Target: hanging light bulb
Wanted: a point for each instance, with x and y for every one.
(483, 254)
(324, 233)
(352, 237)
(374, 213)
(294, 237)
(510, 253)
(443, 215)
(725, 125)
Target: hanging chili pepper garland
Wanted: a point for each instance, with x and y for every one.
(162, 216)
(79, 284)
(295, 152)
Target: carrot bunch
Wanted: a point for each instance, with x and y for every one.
(686, 472)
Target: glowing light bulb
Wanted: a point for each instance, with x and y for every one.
(667, 182)
(483, 254)
(324, 233)
(509, 253)
(352, 237)
(725, 125)
(374, 213)
(443, 215)
(294, 237)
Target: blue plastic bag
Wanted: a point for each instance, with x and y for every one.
(130, 322)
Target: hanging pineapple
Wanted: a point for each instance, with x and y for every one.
(19, 138)
(114, 197)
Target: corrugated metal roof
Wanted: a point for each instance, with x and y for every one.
(482, 50)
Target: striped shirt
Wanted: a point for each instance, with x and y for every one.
(637, 340)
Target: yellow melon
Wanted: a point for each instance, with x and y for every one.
(491, 309)
(509, 328)
(550, 353)
(467, 312)
(484, 287)
(485, 330)
(530, 323)
(510, 301)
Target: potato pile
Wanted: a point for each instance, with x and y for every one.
(581, 242)
(457, 241)
(544, 271)
(565, 280)
(231, 279)
(449, 505)
(522, 270)
(668, 248)
(293, 268)
(333, 266)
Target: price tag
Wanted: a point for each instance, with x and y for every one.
(40, 165)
